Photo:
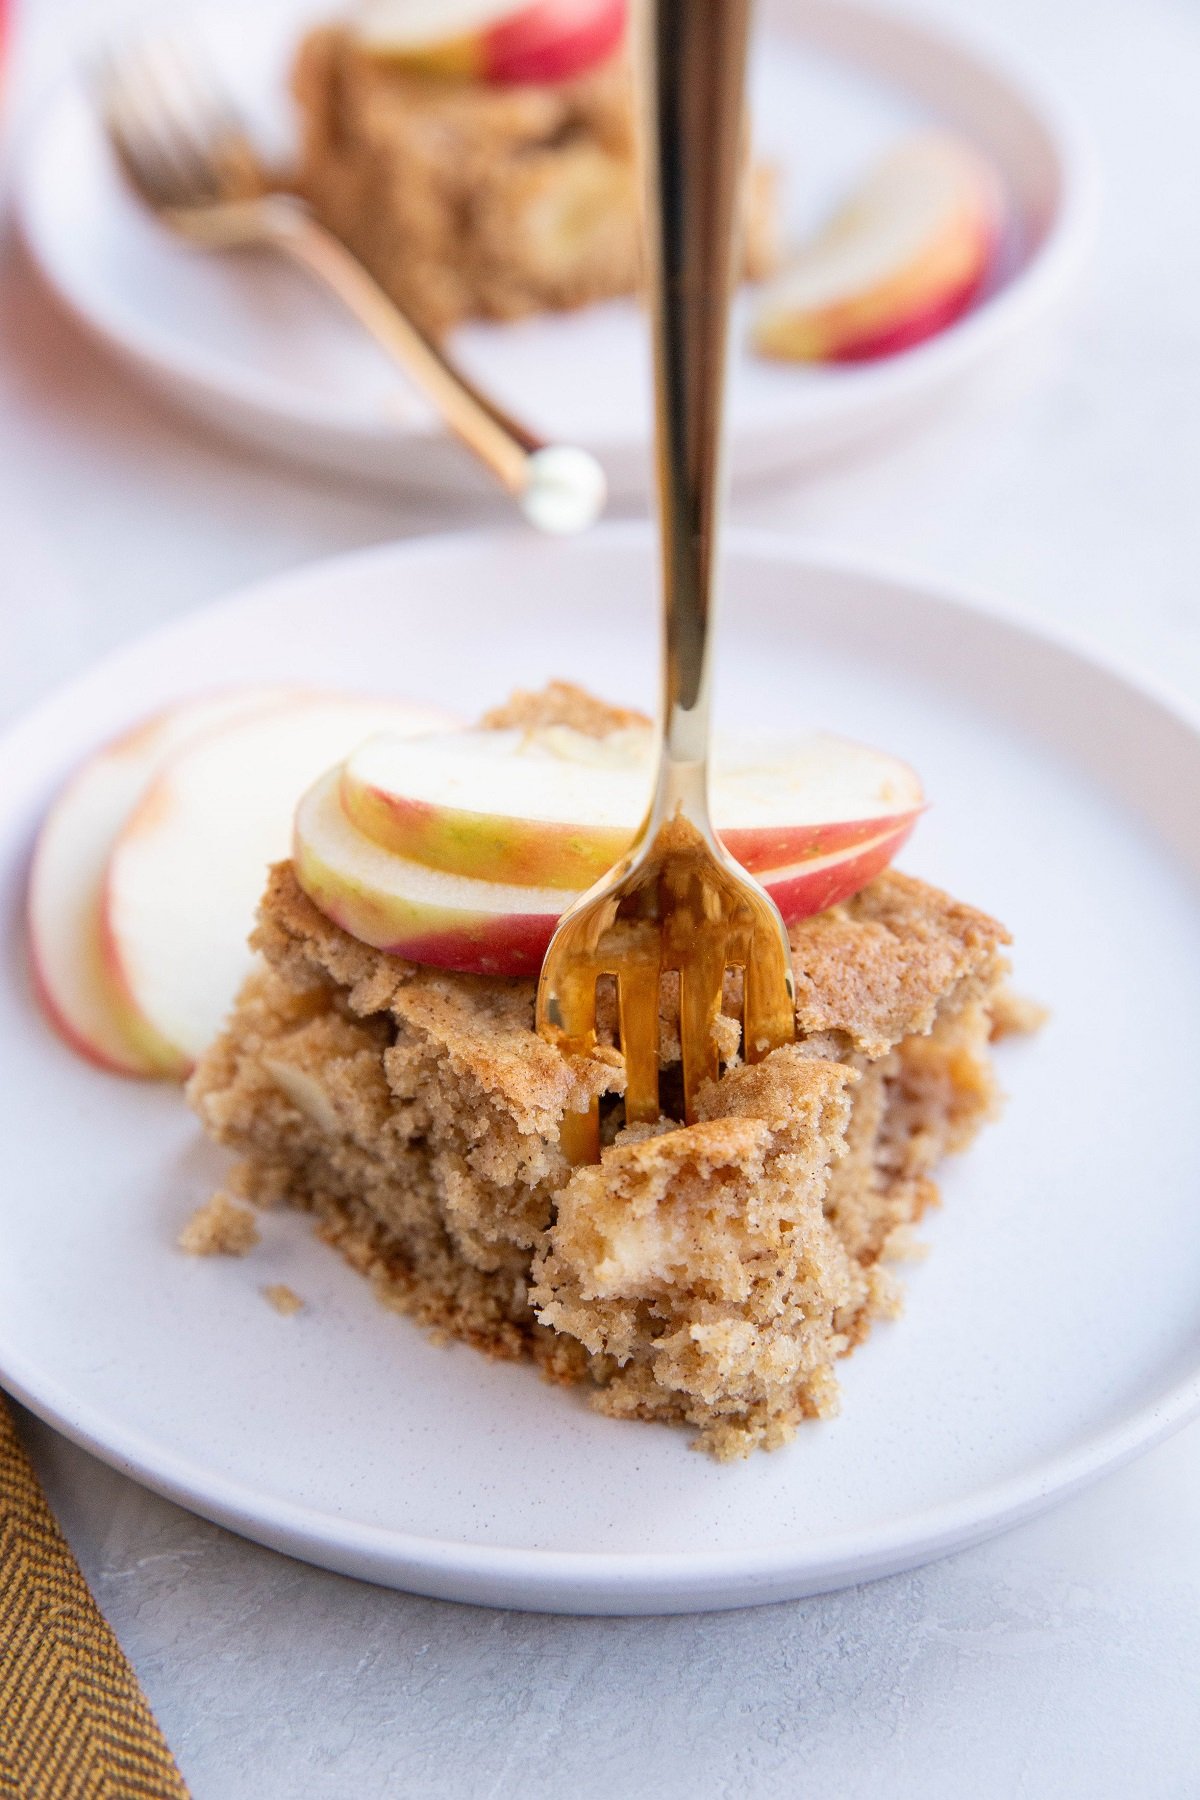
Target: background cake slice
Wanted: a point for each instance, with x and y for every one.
(469, 199)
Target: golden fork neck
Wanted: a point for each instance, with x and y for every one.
(692, 74)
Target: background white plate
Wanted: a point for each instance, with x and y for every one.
(1053, 1330)
(250, 345)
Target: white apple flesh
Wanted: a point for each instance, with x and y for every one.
(187, 870)
(555, 808)
(67, 879)
(485, 927)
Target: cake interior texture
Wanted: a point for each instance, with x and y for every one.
(710, 1273)
(467, 200)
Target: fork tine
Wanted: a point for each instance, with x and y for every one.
(160, 142)
(145, 172)
(579, 1136)
(768, 1005)
(109, 89)
(573, 1008)
(202, 111)
(637, 998)
(209, 98)
(701, 982)
(147, 153)
(170, 115)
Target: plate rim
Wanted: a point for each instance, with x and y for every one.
(607, 1581)
(247, 400)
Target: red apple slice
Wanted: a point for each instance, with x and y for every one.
(490, 927)
(903, 258)
(554, 40)
(67, 878)
(188, 868)
(494, 40)
(554, 808)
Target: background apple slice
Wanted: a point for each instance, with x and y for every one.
(552, 807)
(554, 40)
(495, 41)
(905, 256)
(188, 868)
(67, 878)
(486, 927)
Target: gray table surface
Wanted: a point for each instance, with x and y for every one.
(1060, 1660)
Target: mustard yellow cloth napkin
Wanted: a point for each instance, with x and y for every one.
(74, 1723)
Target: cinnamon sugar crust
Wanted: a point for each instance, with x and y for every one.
(467, 200)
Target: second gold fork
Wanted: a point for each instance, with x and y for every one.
(188, 155)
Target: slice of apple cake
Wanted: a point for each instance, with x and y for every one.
(710, 1273)
(468, 199)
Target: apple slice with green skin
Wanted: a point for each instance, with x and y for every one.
(64, 903)
(188, 868)
(485, 927)
(905, 256)
(493, 41)
(553, 807)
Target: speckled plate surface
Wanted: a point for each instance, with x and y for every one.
(1053, 1331)
(250, 345)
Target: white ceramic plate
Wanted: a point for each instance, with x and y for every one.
(1053, 1331)
(253, 348)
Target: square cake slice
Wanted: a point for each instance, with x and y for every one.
(710, 1273)
(466, 200)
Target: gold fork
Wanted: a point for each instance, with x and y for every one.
(189, 155)
(677, 901)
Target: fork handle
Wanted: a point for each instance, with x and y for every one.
(560, 488)
(693, 78)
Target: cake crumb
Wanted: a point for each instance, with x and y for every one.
(284, 1299)
(903, 1245)
(1014, 1015)
(561, 703)
(219, 1228)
